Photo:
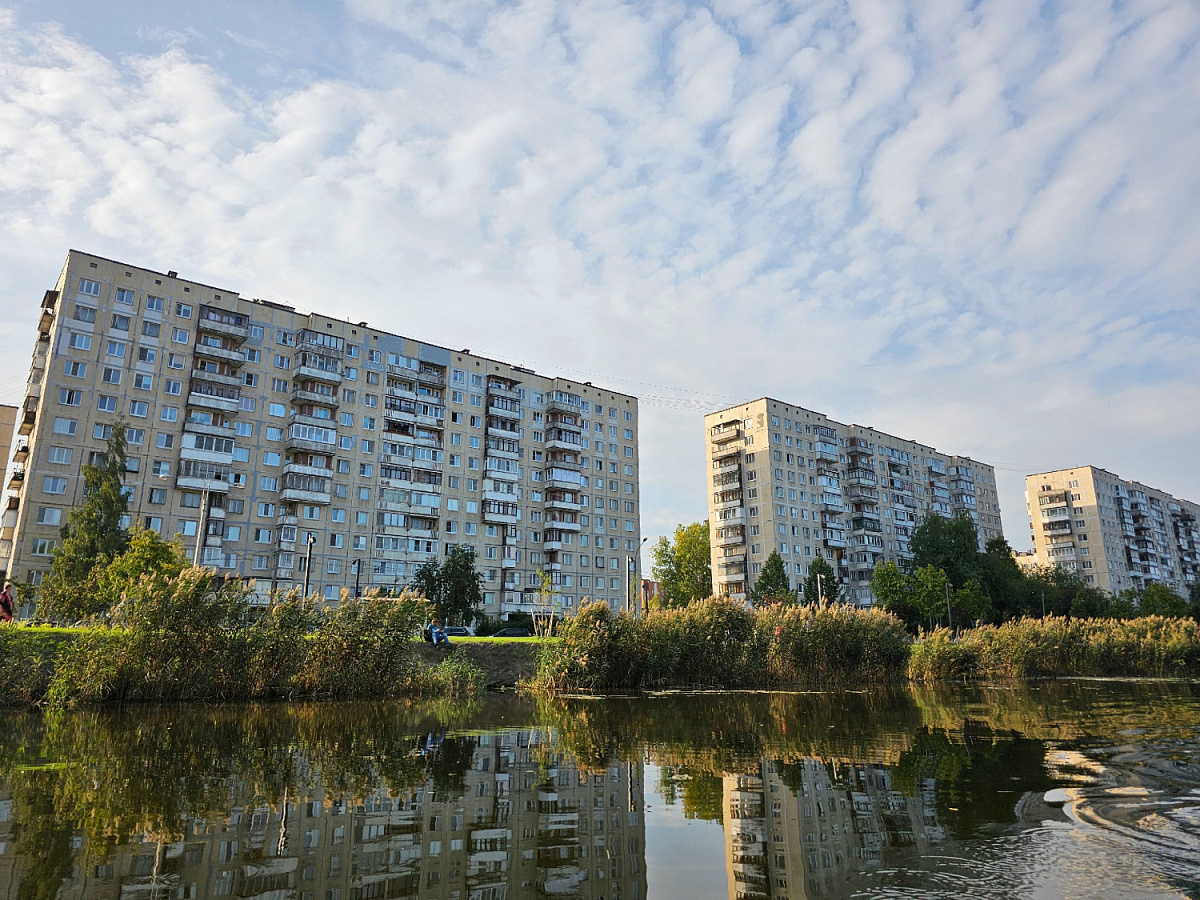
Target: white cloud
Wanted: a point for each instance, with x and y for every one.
(964, 222)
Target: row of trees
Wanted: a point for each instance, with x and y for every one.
(949, 582)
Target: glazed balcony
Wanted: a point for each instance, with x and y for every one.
(723, 434)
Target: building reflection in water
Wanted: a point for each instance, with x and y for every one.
(800, 829)
(500, 816)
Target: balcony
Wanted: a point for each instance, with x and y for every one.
(17, 481)
(566, 505)
(861, 477)
(562, 443)
(28, 415)
(233, 357)
(45, 320)
(217, 378)
(427, 375)
(21, 454)
(301, 495)
(859, 447)
(199, 479)
(192, 425)
(730, 578)
(313, 373)
(729, 539)
(494, 430)
(834, 542)
(218, 321)
(300, 395)
(211, 401)
(560, 524)
(826, 451)
(497, 389)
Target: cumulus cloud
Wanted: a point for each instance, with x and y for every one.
(968, 223)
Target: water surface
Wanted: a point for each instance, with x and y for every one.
(1054, 789)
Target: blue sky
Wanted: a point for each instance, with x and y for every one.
(972, 224)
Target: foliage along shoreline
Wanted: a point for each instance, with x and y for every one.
(720, 644)
(195, 636)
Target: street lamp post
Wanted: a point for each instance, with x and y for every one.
(357, 571)
(202, 531)
(630, 605)
(312, 539)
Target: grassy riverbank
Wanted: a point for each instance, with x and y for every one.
(719, 644)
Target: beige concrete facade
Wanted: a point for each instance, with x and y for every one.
(262, 427)
(789, 479)
(1115, 534)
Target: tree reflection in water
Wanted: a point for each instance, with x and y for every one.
(506, 798)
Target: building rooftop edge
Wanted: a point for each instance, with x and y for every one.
(284, 306)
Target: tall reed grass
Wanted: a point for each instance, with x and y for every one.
(719, 643)
(1152, 646)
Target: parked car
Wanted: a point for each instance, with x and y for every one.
(457, 631)
(513, 632)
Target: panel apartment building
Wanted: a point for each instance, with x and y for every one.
(1116, 534)
(789, 479)
(256, 430)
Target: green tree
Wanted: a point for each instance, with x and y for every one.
(93, 536)
(822, 582)
(929, 592)
(683, 566)
(454, 588)
(893, 591)
(971, 604)
(1159, 600)
(147, 555)
(951, 545)
(1002, 580)
(772, 585)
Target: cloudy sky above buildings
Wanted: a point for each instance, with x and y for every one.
(969, 223)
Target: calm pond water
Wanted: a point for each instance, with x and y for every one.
(1056, 789)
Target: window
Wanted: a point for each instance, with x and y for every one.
(49, 515)
(115, 349)
(174, 388)
(120, 323)
(53, 484)
(68, 397)
(139, 408)
(89, 288)
(165, 441)
(262, 535)
(61, 455)
(135, 436)
(147, 354)
(154, 304)
(143, 382)
(43, 546)
(271, 458)
(80, 342)
(268, 484)
(65, 426)
(110, 375)
(280, 385)
(174, 361)
(170, 414)
(183, 310)
(75, 369)
(277, 409)
(179, 335)
(151, 329)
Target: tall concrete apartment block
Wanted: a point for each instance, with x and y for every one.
(789, 479)
(1116, 534)
(268, 429)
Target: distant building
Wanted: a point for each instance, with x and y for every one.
(1027, 561)
(651, 591)
(789, 479)
(1116, 534)
(8, 425)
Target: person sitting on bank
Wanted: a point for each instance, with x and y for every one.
(439, 635)
(8, 602)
